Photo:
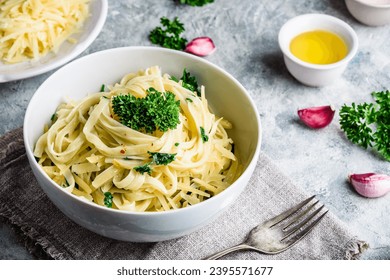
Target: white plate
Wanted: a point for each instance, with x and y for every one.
(90, 30)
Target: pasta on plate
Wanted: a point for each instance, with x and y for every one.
(29, 29)
(89, 152)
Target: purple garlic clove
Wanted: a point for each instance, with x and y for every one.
(317, 117)
(200, 46)
(370, 184)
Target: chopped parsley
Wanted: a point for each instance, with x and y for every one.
(161, 158)
(173, 78)
(190, 82)
(189, 100)
(205, 138)
(177, 144)
(53, 117)
(144, 168)
(108, 199)
(168, 36)
(158, 110)
(65, 184)
(157, 159)
(102, 88)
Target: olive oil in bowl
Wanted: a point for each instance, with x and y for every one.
(319, 47)
(317, 56)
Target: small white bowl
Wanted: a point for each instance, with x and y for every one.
(226, 96)
(310, 74)
(67, 51)
(373, 14)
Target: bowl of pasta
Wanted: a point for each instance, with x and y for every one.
(142, 144)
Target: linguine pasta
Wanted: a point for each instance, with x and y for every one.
(92, 155)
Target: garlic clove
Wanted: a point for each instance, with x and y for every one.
(200, 46)
(370, 184)
(317, 117)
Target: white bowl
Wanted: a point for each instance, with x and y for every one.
(374, 14)
(226, 96)
(316, 74)
(68, 51)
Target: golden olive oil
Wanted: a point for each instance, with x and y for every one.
(319, 47)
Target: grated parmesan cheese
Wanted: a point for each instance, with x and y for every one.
(30, 29)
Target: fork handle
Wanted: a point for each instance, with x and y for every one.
(222, 253)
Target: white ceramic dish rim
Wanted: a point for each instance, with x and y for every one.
(252, 162)
(372, 5)
(78, 48)
(350, 55)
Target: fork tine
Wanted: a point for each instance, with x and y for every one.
(289, 212)
(302, 223)
(297, 218)
(303, 233)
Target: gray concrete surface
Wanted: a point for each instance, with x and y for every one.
(245, 33)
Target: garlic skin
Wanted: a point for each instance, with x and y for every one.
(370, 184)
(317, 117)
(201, 46)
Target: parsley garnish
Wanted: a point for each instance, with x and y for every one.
(205, 138)
(177, 144)
(66, 184)
(190, 82)
(368, 124)
(173, 78)
(169, 37)
(158, 110)
(108, 199)
(53, 117)
(158, 159)
(144, 168)
(196, 2)
(102, 88)
(189, 100)
(161, 158)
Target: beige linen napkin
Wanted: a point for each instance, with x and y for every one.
(50, 234)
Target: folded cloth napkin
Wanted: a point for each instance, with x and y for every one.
(45, 229)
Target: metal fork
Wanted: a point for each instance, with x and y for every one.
(281, 232)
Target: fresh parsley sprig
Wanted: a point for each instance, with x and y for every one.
(157, 111)
(168, 36)
(196, 2)
(368, 124)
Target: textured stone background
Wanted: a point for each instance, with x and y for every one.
(245, 33)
